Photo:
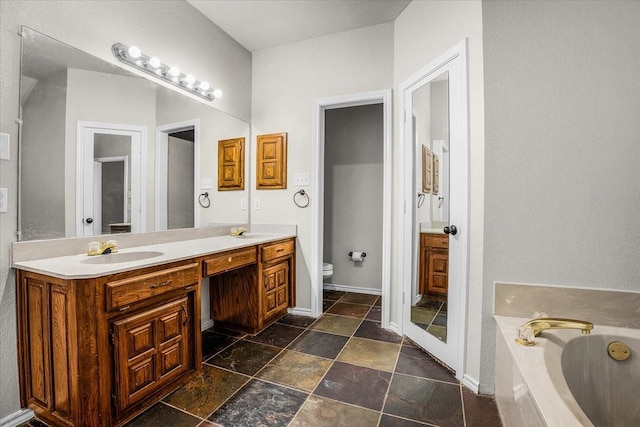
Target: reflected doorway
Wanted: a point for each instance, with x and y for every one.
(109, 179)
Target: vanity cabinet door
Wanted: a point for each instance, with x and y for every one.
(150, 349)
(231, 164)
(275, 280)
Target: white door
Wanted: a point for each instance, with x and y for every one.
(98, 140)
(435, 139)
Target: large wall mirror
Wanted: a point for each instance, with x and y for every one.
(103, 150)
(435, 140)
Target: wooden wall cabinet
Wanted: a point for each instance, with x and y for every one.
(434, 263)
(250, 290)
(271, 167)
(96, 352)
(231, 164)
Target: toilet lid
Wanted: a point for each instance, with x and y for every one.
(326, 266)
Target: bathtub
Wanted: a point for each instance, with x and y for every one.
(567, 379)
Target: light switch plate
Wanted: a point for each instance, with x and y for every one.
(4, 146)
(4, 199)
(243, 204)
(301, 179)
(256, 204)
(206, 183)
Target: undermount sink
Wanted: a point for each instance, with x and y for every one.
(121, 257)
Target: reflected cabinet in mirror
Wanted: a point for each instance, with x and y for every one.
(103, 150)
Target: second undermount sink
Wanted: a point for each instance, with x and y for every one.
(121, 257)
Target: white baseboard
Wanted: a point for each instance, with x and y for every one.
(394, 327)
(354, 289)
(417, 299)
(300, 311)
(17, 418)
(206, 324)
(471, 383)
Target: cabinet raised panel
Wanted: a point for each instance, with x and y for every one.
(271, 161)
(148, 348)
(434, 263)
(231, 164)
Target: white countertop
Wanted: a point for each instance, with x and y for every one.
(73, 267)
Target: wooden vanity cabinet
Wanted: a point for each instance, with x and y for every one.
(434, 263)
(96, 352)
(252, 294)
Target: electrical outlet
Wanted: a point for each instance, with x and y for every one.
(243, 204)
(256, 204)
(4, 199)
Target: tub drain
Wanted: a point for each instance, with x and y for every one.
(618, 351)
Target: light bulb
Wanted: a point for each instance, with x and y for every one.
(174, 71)
(134, 52)
(155, 62)
(189, 79)
(217, 93)
(203, 86)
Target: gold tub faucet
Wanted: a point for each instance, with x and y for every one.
(532, 328)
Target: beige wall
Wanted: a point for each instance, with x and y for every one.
(353, 182)
(562, 152)
(286, 81)
(423, 31)
(93, 26)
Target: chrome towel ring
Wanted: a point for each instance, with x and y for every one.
(204, 200)
(303, 194)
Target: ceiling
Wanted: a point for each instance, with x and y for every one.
(262, 24)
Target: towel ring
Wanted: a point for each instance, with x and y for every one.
(204, 200)
(304, 194)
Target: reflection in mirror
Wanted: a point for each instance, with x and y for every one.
(73, 185)
(430, 111)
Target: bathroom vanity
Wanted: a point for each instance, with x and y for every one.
(100, 341)
(434, 263)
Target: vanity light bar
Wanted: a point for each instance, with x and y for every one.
(132, 55)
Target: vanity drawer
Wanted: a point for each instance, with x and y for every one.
(277, 250)
(229, 261)
(124, 292)
(435, 240)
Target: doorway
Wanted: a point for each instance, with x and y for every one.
(321, 107)
(177, 175)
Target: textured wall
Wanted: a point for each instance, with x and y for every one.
(562, 189)
(353, 178)
(423, 31)
(174, 30)
(286, 80)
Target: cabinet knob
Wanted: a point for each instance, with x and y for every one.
(453, 230)
(230, 259)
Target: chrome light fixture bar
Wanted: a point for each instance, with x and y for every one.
(131, 55)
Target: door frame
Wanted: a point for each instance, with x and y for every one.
(162, 159)
(138, 136)
(457, 297)
(317, 223)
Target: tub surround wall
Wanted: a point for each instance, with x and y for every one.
(561, 116)
(598, 306)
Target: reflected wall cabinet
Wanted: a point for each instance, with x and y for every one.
(231, 164)
(271, 161)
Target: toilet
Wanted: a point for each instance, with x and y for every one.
(327, 271)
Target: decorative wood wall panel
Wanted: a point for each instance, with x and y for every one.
(271, 161)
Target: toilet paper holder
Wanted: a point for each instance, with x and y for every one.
(364, 254)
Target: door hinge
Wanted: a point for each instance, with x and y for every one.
(403, 297)
(112, 337)
(114, 400)
(404, 116)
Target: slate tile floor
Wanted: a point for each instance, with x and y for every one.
(339, 370)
